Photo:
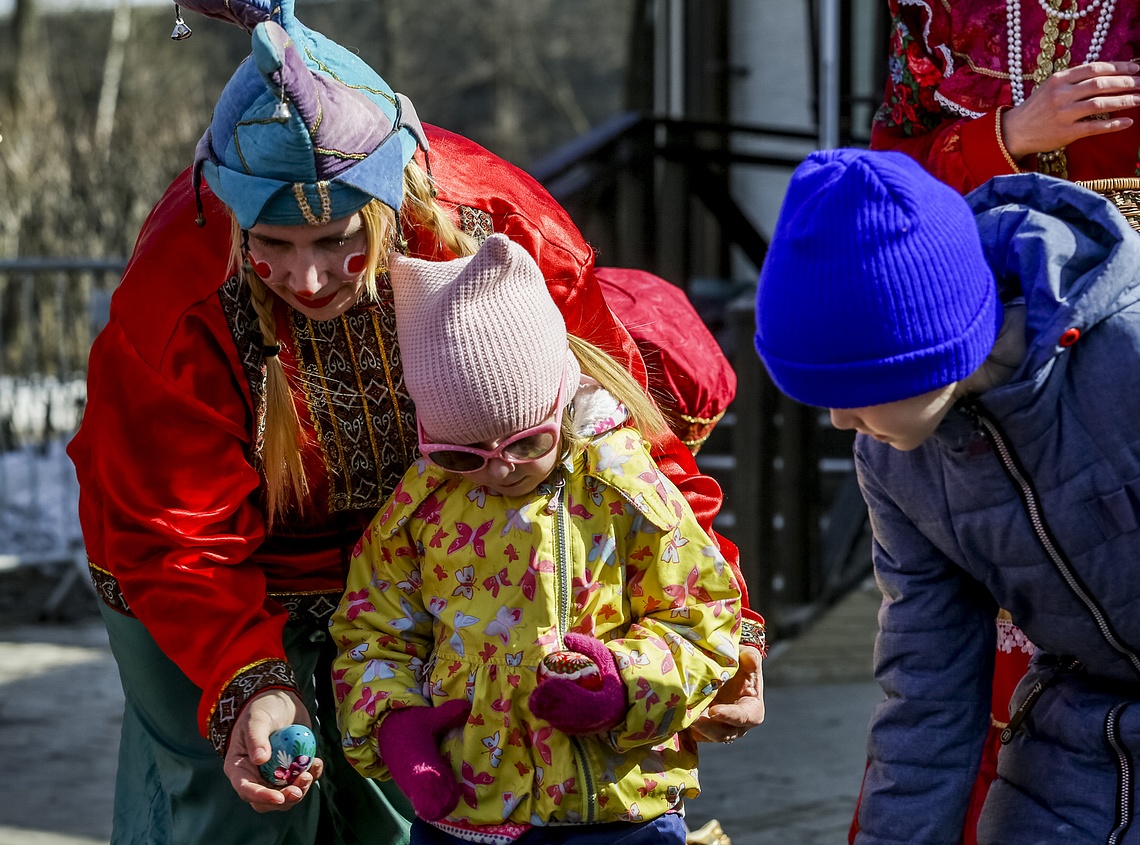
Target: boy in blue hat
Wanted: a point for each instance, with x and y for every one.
(986, 352)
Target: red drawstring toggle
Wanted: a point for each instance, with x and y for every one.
(1069, 337)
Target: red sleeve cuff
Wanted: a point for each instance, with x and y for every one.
(251, 681)
(981, 152)
(753, 633)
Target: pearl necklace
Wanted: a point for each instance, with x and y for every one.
(1067, 16)
(1013, 36)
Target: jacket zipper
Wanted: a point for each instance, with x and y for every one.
(563, 559)
(563, 567)
(1029, 499)
(1021, 481)
(1124, 770)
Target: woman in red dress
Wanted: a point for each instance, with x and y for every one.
(247, 417)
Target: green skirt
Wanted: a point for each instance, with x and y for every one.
(170, 788)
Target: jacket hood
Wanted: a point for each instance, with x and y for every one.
(1068, 250)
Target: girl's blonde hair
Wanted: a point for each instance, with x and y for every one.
(286, 484)
(644, 414)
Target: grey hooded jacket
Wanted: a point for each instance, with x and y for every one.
(1028, 498)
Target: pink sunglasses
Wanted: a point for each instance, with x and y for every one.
(519, 449)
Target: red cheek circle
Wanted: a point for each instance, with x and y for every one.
(355, 264)
(263, 269)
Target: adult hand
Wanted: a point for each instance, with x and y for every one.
(738, 706)
(249, 748)
(1060, 110)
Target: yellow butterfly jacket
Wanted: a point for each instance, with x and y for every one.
(457, 592)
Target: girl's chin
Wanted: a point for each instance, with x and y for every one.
(519, 488)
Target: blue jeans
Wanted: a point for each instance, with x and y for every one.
(170, 788)
(668, 829)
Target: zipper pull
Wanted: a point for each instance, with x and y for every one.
(969, 407)
(1063, 666)
(979, 442)
(556, 496)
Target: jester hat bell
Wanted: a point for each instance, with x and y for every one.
(304, 132)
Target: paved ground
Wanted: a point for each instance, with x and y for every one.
(793, 781)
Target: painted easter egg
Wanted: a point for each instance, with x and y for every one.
(573, 667)
(292, 750)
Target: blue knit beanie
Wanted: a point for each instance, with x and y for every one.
(875, 287)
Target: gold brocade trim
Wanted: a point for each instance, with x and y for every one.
(702, 420)
(309, 607)
(476, 223)
(107, 586)
(303, 607)
(754, 634)
(696, 443)
(692, 431)
(237, 306)
(306, 208)
(325, 69)
(353, 383)
(985, 71)
(392, 392)
(247, 682)
(1001, 726)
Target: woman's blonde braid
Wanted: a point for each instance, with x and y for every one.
(281, 455)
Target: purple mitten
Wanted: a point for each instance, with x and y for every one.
(573, 709)
(408, 744)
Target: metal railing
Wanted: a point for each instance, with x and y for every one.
(792, 504)
(50, 312)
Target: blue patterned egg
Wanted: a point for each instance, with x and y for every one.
(292, 750)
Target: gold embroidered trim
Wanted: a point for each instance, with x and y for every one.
(320, 115)
(985, 71)
(395, 397)
(475, 222)
(107, 586)
(304, 606)
(698, 441)
(754, 634)
(237, 306)
(702, 420)
(309, 607)
(328, 72)
(350, 374)
(307, 209)
(271, 673)
(341, 469)
(338, 154)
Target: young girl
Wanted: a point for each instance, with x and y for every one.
(535, 615)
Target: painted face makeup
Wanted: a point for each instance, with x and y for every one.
(354, 265)
(318, 270)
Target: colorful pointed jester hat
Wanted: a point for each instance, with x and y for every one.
(304, 132)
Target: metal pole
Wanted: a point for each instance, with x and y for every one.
(828, 74)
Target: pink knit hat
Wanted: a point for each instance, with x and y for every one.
(483, 345)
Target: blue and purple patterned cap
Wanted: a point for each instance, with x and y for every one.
(304, 132)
